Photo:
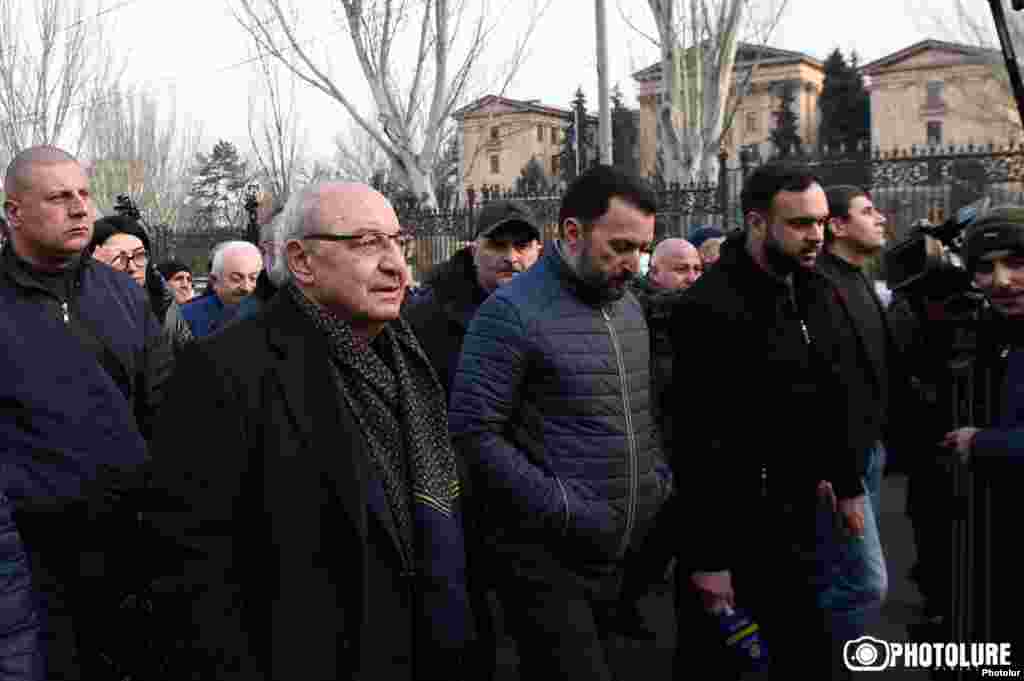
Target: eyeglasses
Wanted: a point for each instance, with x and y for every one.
(139, 258)
(370, 243)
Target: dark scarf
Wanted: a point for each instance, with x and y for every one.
(399, 405)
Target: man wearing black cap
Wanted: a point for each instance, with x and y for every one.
(178, 276)
(708, 242)
(995, 258)
(507, 242)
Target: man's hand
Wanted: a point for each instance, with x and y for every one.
(715, 589)
(960, 441)
(851, 510)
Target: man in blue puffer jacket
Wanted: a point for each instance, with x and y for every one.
(551, 407)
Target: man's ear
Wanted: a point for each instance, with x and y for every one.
(757, 224)
(13, 211)
(837, 226)
(296, 254)
(572, 229)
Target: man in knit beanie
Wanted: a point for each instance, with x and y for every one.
(994, 255)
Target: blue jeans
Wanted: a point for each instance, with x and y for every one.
(873, 478)
(852, 579)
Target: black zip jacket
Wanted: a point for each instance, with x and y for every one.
(774, 416)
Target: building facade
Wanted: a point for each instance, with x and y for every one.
(767, 73)
(499, 136)
(937, 93)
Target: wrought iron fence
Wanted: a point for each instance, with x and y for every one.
(916, 183)
(906, 185)
(191, 246)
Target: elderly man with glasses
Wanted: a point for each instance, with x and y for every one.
(324, 494)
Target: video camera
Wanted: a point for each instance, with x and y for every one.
(928, 265)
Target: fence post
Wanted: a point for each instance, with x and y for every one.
(723, 187)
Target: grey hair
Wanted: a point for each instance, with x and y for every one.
(222, 249)
(294, 222)
(268, 230)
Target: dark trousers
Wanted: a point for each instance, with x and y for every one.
(79, 570)
(559, 629)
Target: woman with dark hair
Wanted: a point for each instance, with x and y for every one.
(122, 243)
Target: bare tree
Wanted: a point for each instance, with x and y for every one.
(358, 157)
(698, 41)
(446, 40)
(274, 133)
(55, 68)
(134, 150)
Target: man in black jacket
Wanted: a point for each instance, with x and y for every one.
(320, 514)
(856, 233)
(777, 445)
(84, 366)
(675, 266)
(507, 242)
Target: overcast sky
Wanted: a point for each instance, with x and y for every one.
(194, 47)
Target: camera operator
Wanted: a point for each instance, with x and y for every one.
(995, 258)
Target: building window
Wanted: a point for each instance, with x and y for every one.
(554, 165)
(751, 121)
(495, 164)
(495, 131)
(540, 133)
(934, 100)
(934, 133)
(554, 134)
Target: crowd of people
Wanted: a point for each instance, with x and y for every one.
(314, 470)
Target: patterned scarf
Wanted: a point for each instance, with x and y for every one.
(400, 408)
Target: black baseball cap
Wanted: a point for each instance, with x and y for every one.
(507, 215)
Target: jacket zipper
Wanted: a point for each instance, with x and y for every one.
(64, 311)
(630, 435)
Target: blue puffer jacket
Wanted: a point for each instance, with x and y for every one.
(551, 407)
(20, 655)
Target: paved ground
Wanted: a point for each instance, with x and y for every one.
(653, 662)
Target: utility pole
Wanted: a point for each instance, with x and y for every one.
(1009, 51)
(604, 126)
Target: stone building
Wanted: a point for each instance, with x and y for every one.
(768, 71)
(936, 93)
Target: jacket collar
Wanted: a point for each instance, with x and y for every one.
(831, 259)
(456, 287)
(738, 260)
(20, 273)
(323, 423)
